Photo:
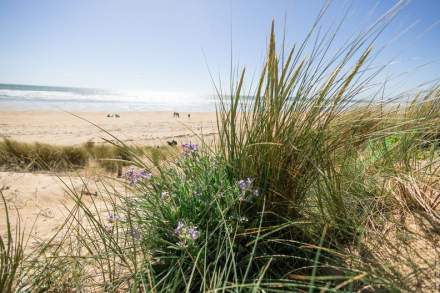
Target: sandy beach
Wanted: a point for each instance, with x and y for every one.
(41, 198)
(40, 202)
(149, 128)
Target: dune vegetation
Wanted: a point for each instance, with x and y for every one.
(304, 190)
(23, 156)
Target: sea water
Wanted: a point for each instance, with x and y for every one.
(15, 97)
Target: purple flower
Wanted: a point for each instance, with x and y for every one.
(186, 233)
(109, 228)
(145, 175)
(134, 176)
(130, 173)
(190, 147)
(193, 232)
(244, 184)
(179, 228)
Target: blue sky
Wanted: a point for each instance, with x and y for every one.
(158, 46)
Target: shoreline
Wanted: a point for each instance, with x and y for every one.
(31, 110)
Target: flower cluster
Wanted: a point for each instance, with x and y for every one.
(134, 176)
(189, 148)
(112, 219)
(245, 185)
(186, 233)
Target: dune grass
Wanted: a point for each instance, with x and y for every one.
(309, 148)
(304, 191)
(16, 155)
(11, 253)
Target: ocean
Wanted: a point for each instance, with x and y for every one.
(14, 97)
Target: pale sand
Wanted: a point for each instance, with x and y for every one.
(40, 202)
(151, 128)
(43, 197)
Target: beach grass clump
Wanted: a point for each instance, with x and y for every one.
(204, 233)
(39, 156)
(296, 134)
(108, 156)
(185, 228)
(306, 140)
(320, 156)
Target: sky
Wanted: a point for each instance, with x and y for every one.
(168, 45)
